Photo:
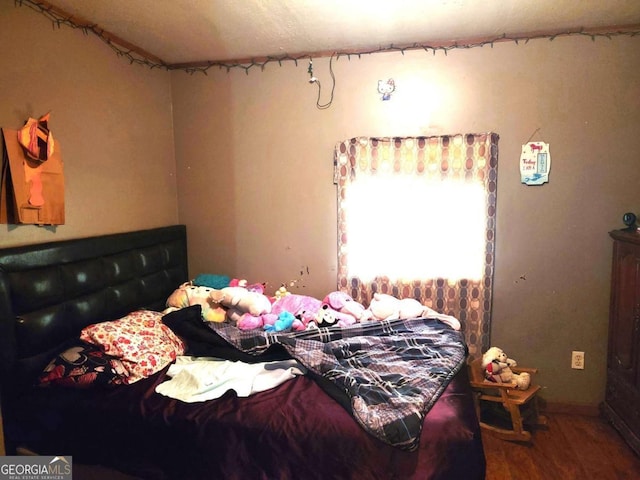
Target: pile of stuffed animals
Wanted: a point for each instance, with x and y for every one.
(246, 306)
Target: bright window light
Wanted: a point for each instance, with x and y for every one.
(409, 228)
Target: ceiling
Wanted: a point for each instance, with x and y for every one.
(191, 31)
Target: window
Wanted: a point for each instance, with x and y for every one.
(416, 218)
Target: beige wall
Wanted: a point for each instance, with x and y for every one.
(113, 121)
(254, 160)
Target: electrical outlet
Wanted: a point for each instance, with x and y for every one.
(577, 360)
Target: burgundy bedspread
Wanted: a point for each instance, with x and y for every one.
(295, 431)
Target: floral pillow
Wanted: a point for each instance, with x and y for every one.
(143, 344)
(82, 366)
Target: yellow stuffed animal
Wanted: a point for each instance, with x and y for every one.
(188, 294)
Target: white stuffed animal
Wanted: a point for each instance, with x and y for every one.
(497, 369)
(388, 307)
(246, 301)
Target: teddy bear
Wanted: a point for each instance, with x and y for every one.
(187, 294)
(387, 307)
(497, 369)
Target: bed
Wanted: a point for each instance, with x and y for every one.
(304, 428)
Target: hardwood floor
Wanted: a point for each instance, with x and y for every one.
(571, 447)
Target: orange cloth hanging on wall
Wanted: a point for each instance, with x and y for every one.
(31, 192)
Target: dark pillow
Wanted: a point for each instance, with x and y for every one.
(82, 365)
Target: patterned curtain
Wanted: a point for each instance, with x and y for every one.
(462, 157)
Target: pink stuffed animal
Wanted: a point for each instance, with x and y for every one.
(246, 321)
(302, 307)
(343, 303)
(254, 287)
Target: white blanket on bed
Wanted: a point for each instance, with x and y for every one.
(196, 379)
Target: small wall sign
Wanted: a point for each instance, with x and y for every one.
(535, 163)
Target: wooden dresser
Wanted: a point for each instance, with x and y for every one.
(622, 397)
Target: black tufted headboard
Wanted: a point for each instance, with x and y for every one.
(50, 291)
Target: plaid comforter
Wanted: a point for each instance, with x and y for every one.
(391, 371)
